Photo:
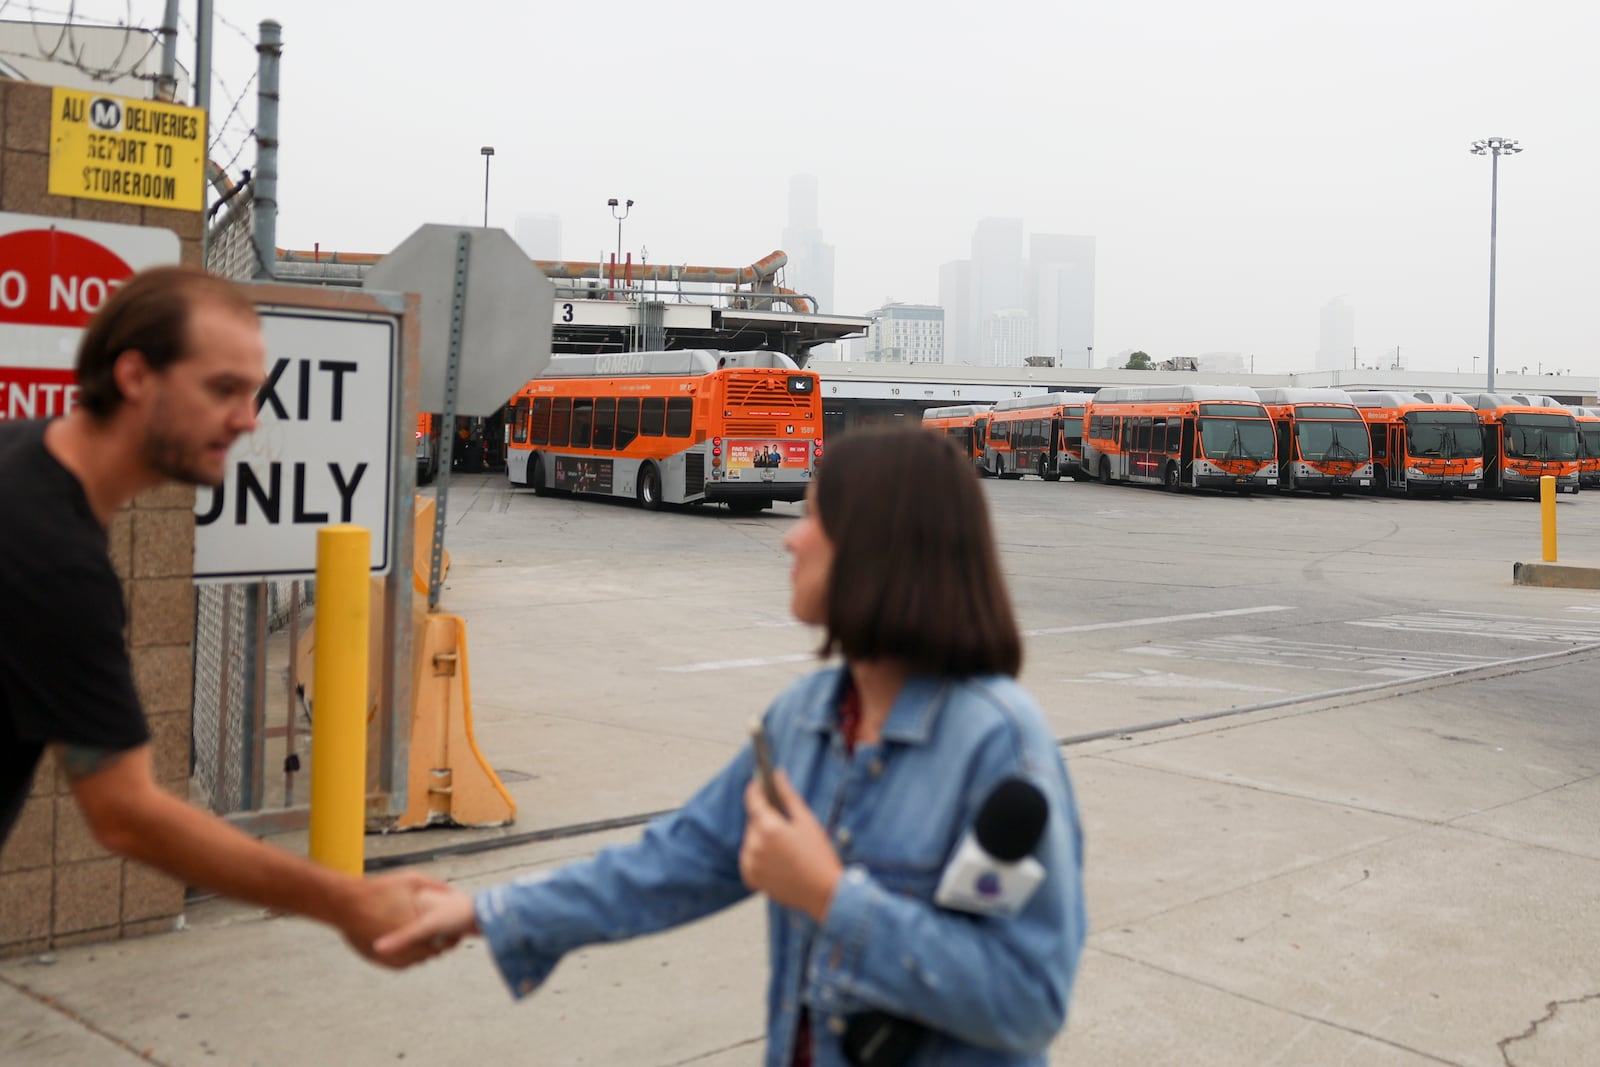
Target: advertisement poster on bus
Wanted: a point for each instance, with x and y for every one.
(583, 475)
(757, 454)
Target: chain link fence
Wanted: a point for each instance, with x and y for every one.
(235, 683)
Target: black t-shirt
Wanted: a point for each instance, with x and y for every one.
(64, 671)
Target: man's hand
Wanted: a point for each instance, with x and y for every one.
(383, 904)
(443, 917)
(789, 859)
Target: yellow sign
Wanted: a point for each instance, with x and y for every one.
(130, 151)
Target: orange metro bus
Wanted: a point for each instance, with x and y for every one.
(1322, 440)
(1524, 438)
(684, 427)
(1037, 434)
(1180, 436)
(1427, 442)
(1588, 445)
(965, 424)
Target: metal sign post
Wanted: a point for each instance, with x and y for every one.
(447, 429)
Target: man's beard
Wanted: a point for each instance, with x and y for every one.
(166, 452)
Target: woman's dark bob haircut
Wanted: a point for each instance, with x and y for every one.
(915, 574)
(148, 314)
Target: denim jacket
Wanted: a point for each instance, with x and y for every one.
(992, 990)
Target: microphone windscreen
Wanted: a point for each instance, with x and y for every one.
(1011, 820)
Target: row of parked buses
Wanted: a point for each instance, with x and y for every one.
(1242, 439)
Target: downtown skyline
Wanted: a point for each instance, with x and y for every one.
(1239, 166)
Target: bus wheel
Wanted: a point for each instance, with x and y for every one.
(1169, 477)
(1105, 471)
(649, 487)
(1046, 473)
(536, 476)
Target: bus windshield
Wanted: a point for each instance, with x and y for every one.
(1591, 440)
(1532, 436)
(1333, 441)
(1446, 434)
(1236, 438)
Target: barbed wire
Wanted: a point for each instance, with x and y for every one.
(72, 20)
(222, 127)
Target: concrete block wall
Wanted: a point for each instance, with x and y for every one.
(58, 887)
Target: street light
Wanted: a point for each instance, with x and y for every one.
(1091, 357)
(487, 150)
(1494, 147)
(626, 207)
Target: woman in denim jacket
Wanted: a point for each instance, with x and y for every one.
(883, 765)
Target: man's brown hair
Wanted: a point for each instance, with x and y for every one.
(149, 313)
(916, 576)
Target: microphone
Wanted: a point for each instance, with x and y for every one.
(992, 872)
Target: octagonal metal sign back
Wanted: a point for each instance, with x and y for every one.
(505, 333)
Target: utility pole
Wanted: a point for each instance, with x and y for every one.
(1494, 147)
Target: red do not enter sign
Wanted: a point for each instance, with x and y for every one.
(54, 278)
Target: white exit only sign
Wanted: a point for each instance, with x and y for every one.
(323, 451)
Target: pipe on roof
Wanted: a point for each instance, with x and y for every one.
(758, 274)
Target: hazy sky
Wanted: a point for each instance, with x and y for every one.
(1240, 162)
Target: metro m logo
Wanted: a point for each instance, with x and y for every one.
(105, 114)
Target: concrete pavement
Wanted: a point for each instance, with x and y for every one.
(1394, 875)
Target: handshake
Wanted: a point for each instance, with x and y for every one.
(396, 920)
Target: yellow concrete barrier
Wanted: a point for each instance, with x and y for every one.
(339, 697)
(450, 783)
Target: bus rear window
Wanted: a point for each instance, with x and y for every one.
(680, 416)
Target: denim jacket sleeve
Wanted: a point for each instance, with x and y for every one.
(997, 982)
(685, 866)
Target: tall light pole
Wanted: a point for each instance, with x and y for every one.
(487, 150)
(626, 207)
(1495, 147)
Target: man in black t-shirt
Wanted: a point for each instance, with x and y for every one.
(168, 372)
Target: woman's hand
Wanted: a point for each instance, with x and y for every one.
(789, 859)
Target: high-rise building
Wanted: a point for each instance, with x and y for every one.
(1061, 291)
(960, 325)
(1008, 337)
(1337, 347)
(539, 235)
(997, 277)
(810, 269)
(906, 333)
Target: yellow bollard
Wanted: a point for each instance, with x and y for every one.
(339, 699)
(1547, 516)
